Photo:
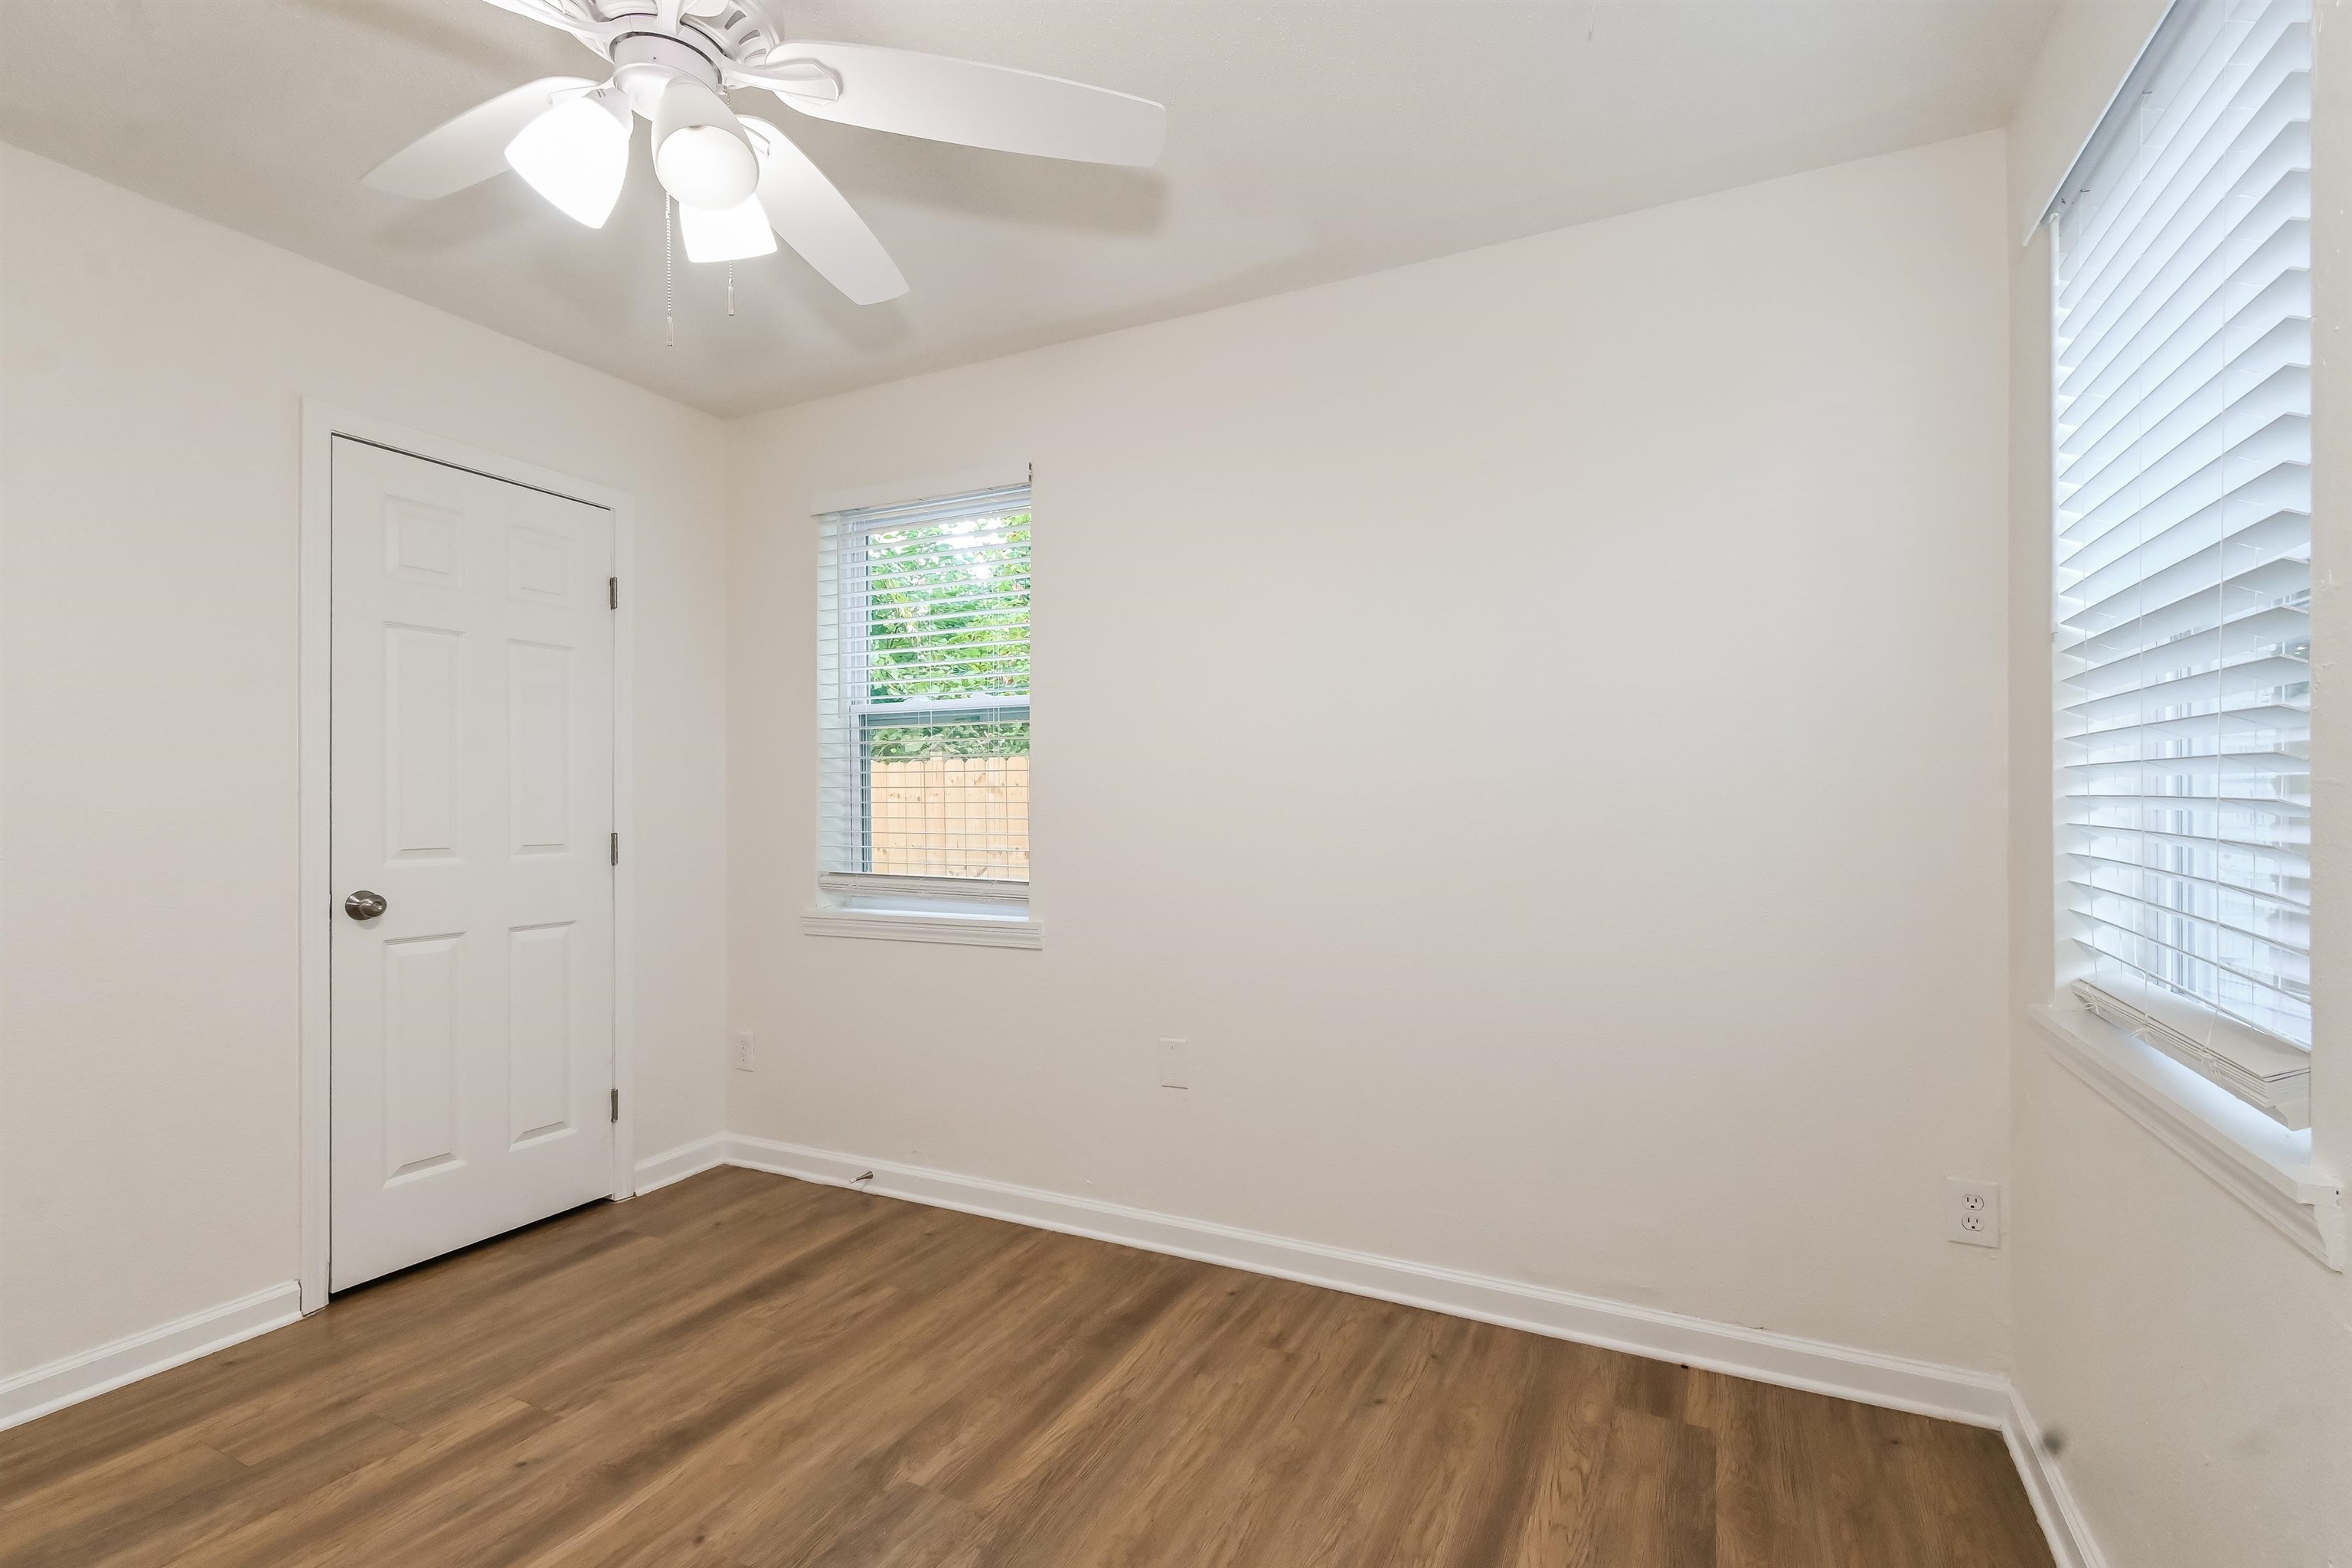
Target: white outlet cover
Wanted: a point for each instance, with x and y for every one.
(1172, 1071)
(744, 1058)
(1972, 1212)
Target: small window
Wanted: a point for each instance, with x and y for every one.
(2182, 360)
(923, 667)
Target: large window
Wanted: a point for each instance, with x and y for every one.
(924, 703)
(2183, 550)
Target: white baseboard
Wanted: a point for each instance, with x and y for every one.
(2070, 1541)
(1954, 1393)
(686, 1160)
(93, 1372)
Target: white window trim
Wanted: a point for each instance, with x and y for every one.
(965, 912)
(2248, 1155)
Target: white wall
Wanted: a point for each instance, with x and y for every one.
(151, 368)
(2196, 1365)
(1534, 720)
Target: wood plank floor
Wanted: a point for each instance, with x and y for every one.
(743, 1371)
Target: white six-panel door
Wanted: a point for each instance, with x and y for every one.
(472, 790)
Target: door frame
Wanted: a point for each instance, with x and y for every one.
(321, 423)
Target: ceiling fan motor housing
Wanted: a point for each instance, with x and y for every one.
(643, 64)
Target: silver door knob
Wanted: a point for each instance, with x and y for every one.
(365, 905)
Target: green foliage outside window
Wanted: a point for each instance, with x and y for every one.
(947, 617)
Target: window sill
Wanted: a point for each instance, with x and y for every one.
(2252, 1158)
(911, 925)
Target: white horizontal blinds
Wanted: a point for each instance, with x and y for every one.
(923, 663)
(2183, 550)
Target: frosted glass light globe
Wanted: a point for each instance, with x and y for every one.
(577, 156)
(736, 233)
(706, 166)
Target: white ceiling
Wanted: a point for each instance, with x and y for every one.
(1308, 139)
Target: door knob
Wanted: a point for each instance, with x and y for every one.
(365, 905)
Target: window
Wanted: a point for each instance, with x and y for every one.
(923, 666)
(2182, 364)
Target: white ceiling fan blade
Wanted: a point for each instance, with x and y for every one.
(472, 147)
(817, 221)
(964, 101)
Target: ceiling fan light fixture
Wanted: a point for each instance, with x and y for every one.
(577, 156)
(726, 234)
(673, 61)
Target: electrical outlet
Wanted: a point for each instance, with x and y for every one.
(743, 1058)
(1973, 1212)
(1174, 1071)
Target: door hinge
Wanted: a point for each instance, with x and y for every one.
(612, 586)
(617, 849)
(616, 1105)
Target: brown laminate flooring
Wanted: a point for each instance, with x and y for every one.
(743, 1371)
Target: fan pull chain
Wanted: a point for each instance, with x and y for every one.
(730, 287)
(670, 277)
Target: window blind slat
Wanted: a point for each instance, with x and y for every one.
(2198, 687)
(2267, 561)
(2272, 911)
(2180, 489)
(2183, 472)
(2286, 838)
(2274, 370)
(2222, 910)
(2262, 293)
(2261, 983)
(2267, 518)
(2278, 627)
(2269, 765)
(2233, 729)
(2216, 807)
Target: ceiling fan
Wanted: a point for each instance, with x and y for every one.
(736, 178)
